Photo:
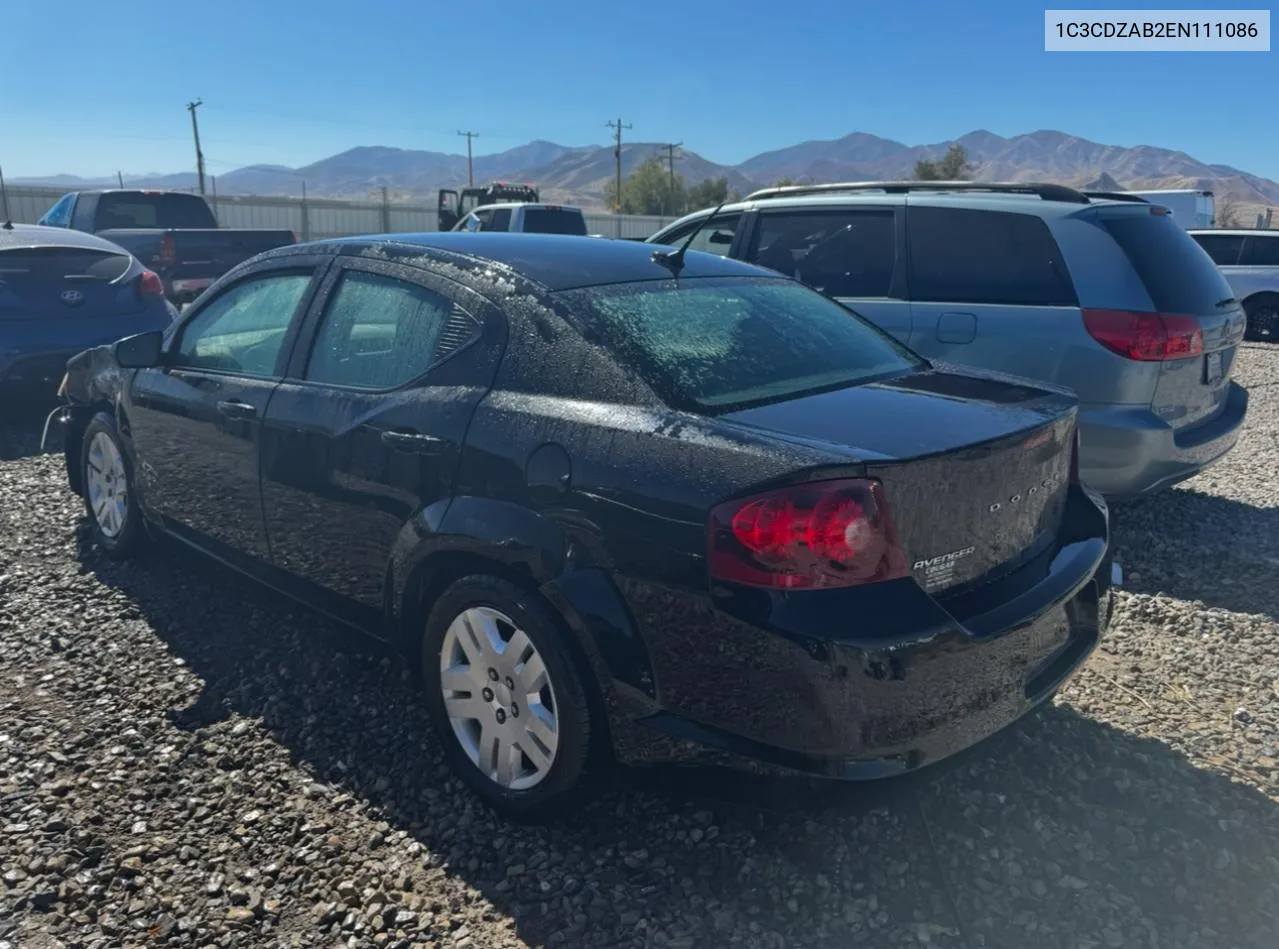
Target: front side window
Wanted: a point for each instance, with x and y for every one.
(243, 329)
(501, 220)
(714, 343)
(841, 253)
(958, 255)
(715, 239)
(377, 333)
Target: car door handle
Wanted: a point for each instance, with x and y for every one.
(413, 442)
(233, 408)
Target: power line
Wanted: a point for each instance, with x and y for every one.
(195, 131)
(617, 155)
(470, 170)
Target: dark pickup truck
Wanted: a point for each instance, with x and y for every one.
(171, 232)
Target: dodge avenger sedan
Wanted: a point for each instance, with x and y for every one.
(614, 503)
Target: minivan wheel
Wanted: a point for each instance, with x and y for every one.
(1263, 318)
(109, 496)
(506, 697)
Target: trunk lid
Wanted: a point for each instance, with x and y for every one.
(975, 468)
(63, 283)
(1183, 281)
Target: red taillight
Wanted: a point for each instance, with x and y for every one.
(824, 534)
(168, 253)
(150, 285)
(1148, 337)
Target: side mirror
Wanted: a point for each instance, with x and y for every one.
(141, 351)
(720, 237)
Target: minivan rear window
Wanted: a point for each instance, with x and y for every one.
(716, 344)
(1178, 274)
(554, 221)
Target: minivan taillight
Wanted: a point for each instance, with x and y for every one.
(818, 535)
(168, 252)
(1147, 337)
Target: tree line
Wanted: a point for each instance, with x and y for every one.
(653, 189)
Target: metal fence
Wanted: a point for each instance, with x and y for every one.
(318, 218)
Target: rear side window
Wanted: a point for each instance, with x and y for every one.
(554, 221)
(1261, 252)
(959, 255)
(60, 214)
(713, 344)
(377, 332)
(1222, 248)
(127, 210)
(1178, 274)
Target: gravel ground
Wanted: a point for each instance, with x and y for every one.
(188, 761)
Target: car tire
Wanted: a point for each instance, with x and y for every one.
(1262, 311)
(493, 678)
(110, 499)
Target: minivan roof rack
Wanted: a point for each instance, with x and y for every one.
(1117, 196)
(1049, 192)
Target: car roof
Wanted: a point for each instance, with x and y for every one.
(37, 235)
(548, 205)
(980, 200)
(555, 261)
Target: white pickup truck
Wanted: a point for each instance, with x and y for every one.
(525, 218)
(1249, 260)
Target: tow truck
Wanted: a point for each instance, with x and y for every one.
(454, 206)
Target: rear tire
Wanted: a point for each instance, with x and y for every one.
(110, 498)
(506, 697)
(1262, 311)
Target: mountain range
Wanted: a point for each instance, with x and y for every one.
(579, 174)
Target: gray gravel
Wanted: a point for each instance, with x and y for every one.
(188, 761)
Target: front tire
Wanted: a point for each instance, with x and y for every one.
(109, 496)
(506, 697)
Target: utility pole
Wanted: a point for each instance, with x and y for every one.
(470, 171)
(119, 176)
(195, 131)
(671, 158)
(617, 155)
(4, 200)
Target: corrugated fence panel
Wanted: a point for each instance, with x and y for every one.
(316, 219)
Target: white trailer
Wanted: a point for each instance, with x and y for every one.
(1190, 208)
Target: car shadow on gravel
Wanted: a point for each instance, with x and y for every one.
(22, 416)
(1063, 831)
(1195, 546)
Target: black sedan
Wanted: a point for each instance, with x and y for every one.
(612, 505)
(61, 292)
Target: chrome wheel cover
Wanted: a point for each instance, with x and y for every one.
(106, 485)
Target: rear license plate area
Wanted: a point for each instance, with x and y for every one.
(1213, 369)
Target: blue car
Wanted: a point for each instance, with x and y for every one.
(63, 291)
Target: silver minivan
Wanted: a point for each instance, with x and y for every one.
(1107, 297)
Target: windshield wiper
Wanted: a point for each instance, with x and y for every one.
(674, 260)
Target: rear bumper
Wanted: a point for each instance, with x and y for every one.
(35, 355)
(876, 682)
(38, 369)
(1127, 451)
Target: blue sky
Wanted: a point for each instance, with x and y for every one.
(293, 81)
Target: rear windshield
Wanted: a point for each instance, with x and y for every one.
(551, 221)
(32, 265)
(1179, 275)
(716, 344)
(152, 210)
